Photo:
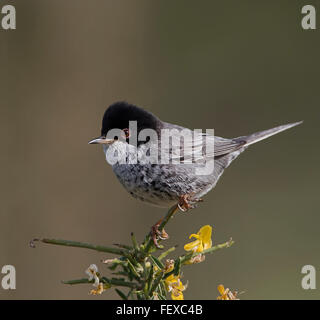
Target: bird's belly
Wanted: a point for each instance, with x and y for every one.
(144, 184)
(159, 185)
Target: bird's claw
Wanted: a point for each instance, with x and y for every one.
(186, 203)
(157, 235)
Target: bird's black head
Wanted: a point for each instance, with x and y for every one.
(118, 115)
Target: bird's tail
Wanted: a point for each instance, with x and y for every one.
(258, 136)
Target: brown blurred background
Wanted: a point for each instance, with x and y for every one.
(235, 66)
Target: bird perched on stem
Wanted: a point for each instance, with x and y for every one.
(165, 164)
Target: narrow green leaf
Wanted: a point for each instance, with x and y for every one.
(128, 272)
(155, 261)
(134, 242)
(164, 254)
(131, 259)
(113, 266)
(119, 282)
(77, 281)
(121, 294)
(120, 273)
(162, 289)
(139, 296)
(156, 283)
(133, 270)
(146, 291)
(150, 277)
(177, 267)
(130, 294)
(168, 274)
(161, 297)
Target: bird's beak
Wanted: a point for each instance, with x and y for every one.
(101, 140)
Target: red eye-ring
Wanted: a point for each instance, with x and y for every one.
(126, 132)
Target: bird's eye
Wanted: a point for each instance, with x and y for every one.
(126, 132)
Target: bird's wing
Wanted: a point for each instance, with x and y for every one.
(187, 146)
(194, 146)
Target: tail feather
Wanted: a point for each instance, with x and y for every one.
(261, 135)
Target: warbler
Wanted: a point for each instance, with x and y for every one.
(164, 164)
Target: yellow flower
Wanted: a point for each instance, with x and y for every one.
(203, 240)
(175, 286)
(177, 295)
(226, 294)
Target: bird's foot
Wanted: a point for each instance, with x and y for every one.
(186, 202)
(157, 235)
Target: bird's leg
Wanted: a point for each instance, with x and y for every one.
(156, 234)
(185, 202)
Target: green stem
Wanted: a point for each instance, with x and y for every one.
(189, 256)
(168, 216)
(114, 282)
(149, 241)
(81, 245)
(185, 258)
(124, 246)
